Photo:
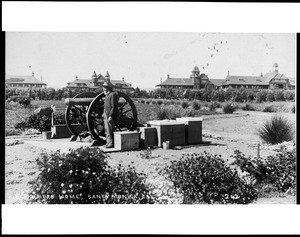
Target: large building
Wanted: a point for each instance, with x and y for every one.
(23, 82)
(196, 81)
(97, 81)
(271, 80)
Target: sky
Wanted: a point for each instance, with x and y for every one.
(144, 58)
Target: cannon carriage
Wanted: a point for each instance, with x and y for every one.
(84, 113)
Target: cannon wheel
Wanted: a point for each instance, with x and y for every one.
(127, 115)
(75, 115)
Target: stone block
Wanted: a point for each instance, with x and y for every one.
(127, 140)
(169, 130)
(193, 129)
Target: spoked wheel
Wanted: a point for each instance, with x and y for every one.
(126, 120)
(75, 114)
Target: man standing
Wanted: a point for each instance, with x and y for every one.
(110, 113)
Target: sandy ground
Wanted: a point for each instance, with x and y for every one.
(225, 132)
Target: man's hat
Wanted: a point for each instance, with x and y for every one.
(107, 84)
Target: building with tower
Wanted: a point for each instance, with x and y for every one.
(97, 81)
(197, 80)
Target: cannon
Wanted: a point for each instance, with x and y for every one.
(84, 113)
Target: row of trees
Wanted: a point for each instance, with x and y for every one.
(238, 95)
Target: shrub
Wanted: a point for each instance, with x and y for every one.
(248, 107)
(278, 95)
(276, 130)
(270, 96)
(214, 105)
(154, 102)
(261, 96)
(288, 95)
(143, 101)
(184, 104)
(293, 109)
(205, 178)
(274, 173)
(22, 100)
(159, 102)
(229, 108)
(196, 105)
(40, 122)
(83, 176)
(147, 102)
(269, 109)
(250, 96)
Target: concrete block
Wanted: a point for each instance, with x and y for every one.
(148, 136)
(127, 140)
(169, 130)
(60, 131)
(193, 129)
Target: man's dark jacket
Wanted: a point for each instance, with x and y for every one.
(111, 105)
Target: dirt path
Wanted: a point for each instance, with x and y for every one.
(225, 132)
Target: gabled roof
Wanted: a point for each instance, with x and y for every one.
(177, 82)
(217, 82)
(22, 80)
(89, 83)
(274, 75)
(245, 80)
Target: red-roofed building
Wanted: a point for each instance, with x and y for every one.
(23, 82)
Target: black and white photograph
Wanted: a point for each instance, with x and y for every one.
(156, 118)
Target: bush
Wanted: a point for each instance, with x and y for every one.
(83, 176)
(40, 122)
(159, 102)
(270, 96)
(184, 104)
(278, 95)
(147, 102)
(289, 95)
(22, 100)
(214, 105)
(205, 178)
(276, 130)
(154, 102)
(143, 101)
(269, 109)
(261, 96)
(274, 173)
(229, 108)
(248, 107)
(196, 105)
(293, 109)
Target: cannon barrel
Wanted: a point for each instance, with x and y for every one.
(78, 101)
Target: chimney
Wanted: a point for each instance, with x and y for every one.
(228, 73)
(160, 80)
(33, 74)
(261, 74)
(168, 76)
(76, 78)
(122, 78)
